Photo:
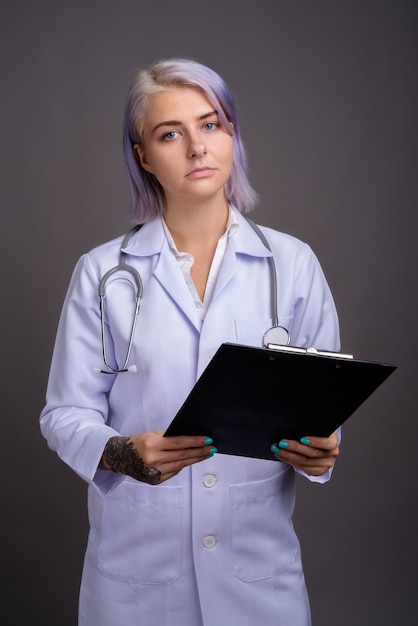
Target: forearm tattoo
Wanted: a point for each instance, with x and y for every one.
(121, 456)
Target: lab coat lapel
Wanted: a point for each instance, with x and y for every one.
(243, 242)
(169, 275)
(151, 241)
(228, 269)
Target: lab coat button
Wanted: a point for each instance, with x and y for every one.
(209, 541)
(209, 480)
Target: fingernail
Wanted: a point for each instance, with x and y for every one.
(212, 451)
(274, 448)
(283, 444)
(305, 441)
(208, 441)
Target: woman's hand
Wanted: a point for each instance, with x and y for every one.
(152, 458)
(312, 455)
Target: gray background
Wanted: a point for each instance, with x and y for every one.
(327, 91)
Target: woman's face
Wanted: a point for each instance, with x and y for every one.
(185, 146)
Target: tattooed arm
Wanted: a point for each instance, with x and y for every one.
(121, 457)
(152, 458)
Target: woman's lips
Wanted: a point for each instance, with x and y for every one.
(200, 172)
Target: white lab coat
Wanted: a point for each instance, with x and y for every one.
(214, 545)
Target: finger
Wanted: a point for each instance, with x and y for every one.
(170, 469)
(184, 442)
(178, 464)
(296, 453)
(322, 443)
(155, 449)
(186, 456)
(310, 446)
(285, 447)
(313, 466)
(156, 457)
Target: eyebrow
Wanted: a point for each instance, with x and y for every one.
(178, 122)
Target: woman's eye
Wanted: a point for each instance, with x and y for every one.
(211, 125)
(170, 135)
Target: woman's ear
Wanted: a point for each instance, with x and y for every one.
(142, 157)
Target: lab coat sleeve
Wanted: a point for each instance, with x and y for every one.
(315, 322)
(74, 418)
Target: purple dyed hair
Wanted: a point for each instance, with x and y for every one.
(147, 197)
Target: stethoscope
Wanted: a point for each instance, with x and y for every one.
(276, 335)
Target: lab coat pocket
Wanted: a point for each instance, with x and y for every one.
(264, 543)
(250, 332)
(140, 533)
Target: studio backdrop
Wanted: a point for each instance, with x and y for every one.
(327, 96)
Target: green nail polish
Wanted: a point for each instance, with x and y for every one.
(305, 441)
(283, 444)
(274, 449)
(213, 451)
(208, 441)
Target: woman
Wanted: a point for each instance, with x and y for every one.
(181, 535)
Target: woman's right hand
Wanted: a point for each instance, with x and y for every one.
(152, 458)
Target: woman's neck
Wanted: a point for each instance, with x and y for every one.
(194, 227)
(197, 230)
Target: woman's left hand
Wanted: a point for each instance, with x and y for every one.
(312, 455)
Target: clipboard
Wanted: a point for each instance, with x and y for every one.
(248, 398)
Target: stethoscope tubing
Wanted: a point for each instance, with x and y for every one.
(280, 335)
(121, 267)
(273, 273)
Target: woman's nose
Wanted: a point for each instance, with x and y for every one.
(197, 148)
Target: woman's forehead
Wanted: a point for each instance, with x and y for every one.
(178, 99)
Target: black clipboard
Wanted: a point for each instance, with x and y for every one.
(248, 398)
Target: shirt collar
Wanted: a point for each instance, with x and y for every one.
(151, 238)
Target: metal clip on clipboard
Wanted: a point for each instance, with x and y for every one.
(313, 351)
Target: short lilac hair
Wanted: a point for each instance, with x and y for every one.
(147, 197)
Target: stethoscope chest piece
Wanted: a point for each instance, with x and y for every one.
(277, 335)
